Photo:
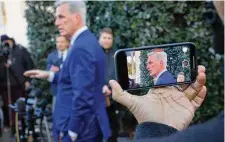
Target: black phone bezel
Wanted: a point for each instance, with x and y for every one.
(119, 75)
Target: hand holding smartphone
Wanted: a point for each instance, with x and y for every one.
(155, 66)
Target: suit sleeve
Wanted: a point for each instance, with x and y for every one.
(82, 72)
(49, 62)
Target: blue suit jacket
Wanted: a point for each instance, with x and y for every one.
(53, 59)
(80, 104)
(165, 78)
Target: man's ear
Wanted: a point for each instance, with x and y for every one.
(75, 17)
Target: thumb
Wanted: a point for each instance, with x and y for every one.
(116, 88)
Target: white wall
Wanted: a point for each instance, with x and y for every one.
(16, 26)
(2, 26)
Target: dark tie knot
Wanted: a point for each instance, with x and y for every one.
(61, 58)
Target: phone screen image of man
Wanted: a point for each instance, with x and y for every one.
(161, 66)
(157, 67)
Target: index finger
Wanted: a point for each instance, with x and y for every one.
(30, 73)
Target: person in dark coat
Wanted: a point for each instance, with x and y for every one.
(106, 42)
(211, 131)
(17, 61)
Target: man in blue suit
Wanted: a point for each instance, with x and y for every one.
(156, 65)
(55, 60)
(80, 113)
(54, 63)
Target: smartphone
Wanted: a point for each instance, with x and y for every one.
(156, 66)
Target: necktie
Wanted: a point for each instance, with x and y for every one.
(61, 59)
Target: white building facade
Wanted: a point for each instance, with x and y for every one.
(12, 20)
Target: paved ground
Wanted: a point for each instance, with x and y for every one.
(124, 140)
(6, 138)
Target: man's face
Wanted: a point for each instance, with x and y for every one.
(106, 40)
(66, 22)
(180, 78)
(62, 43)
(154, 66)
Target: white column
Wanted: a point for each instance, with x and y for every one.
(16, 26)
(2, 26)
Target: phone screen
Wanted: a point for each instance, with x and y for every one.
(155, 66)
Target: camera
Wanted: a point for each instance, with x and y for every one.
(4, 51)
(34, 115)
(36, 100)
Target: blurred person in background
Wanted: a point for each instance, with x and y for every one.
(18, 61)
(180, 77)
(54, 63)
(106, 42)
(55, 60)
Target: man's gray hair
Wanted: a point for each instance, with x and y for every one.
(75, 6)
(160, 56)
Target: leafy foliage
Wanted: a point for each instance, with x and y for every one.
(138, 23)
(41, 32)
